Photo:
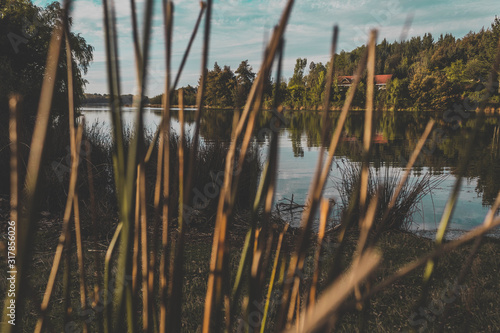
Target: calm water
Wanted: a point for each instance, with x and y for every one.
(395, 138)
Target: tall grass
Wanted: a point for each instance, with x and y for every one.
(402, 212)
(154, 189)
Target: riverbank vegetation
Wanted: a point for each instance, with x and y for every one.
(97, 155)
(401, 215)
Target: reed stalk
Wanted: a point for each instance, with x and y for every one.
(168, 18)
(366, 223)
(125, 174)
(272, 278)
(161, 311)
(314, 196)
(461, 171)
(66, 279)
(232, 171)
(177, 257)
(368, 128)
(113, 74)
(14, 110)
(328, 88)
(26, 225)
(63, 236)
(324, 212)
(437, 252)
(135, 40)
(265, 197)
(93, 216)
(147, 297)
(365, 227)
(203, 6)
(81, 264)
(106, 279)
(470, 258)
(78, 236)
(332, 298)
(137, 235)
(413, 158)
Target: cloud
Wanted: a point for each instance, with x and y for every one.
(240, 27)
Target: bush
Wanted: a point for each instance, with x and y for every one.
(401, 215)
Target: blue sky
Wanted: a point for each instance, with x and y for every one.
(240, 27)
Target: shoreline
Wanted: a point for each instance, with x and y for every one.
(490, 110)
(452, 234)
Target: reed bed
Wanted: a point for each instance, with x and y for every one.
(403, 211)
(145, 264)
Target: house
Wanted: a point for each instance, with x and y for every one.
(380, 80)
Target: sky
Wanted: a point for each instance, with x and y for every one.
(240, 28)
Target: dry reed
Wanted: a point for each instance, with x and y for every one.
(159, 258)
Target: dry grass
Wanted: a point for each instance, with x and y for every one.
(181, 285)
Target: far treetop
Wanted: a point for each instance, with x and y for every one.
(422, 73)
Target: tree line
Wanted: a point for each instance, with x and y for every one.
(26, 32)
(125, 100)
(427, 74)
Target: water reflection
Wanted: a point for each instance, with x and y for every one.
(396, 135)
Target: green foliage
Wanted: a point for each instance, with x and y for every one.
(156, 99)
(23, 54)
(190, 93)
(226, 88)
(220, 86)
(360, 95)
(244, 81)
(298, 73)
(476, 70)
(397, 94)
(427, 74)
(315, 83)
(280, 89)
(431, 91)
(296, 95)
(456, 72)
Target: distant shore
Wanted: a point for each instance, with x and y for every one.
(495, 109)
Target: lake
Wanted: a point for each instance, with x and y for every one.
(396, 134)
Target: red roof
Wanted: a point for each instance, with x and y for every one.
(379, 79)
(345, 80)
(382, 79)
(379, 138)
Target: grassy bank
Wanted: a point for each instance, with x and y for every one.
(472, 306)
(472, 310)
